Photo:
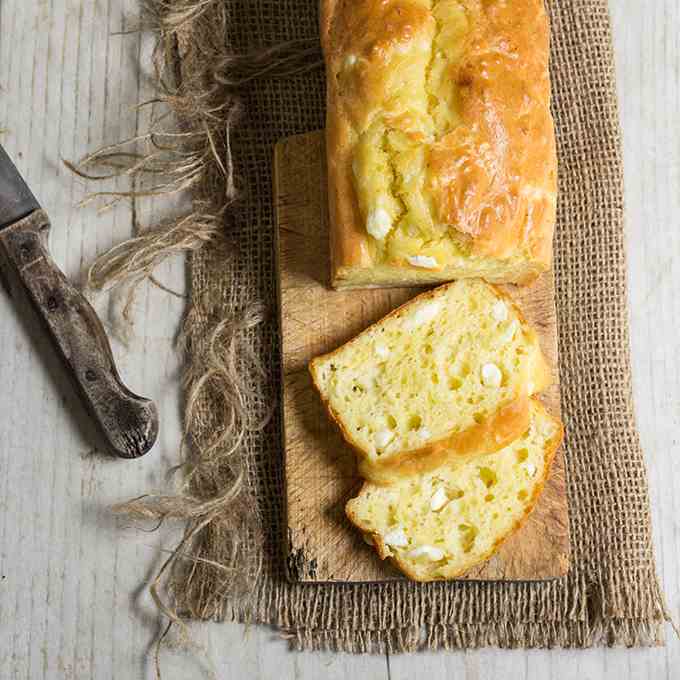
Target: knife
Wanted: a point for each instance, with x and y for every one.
(128, 423)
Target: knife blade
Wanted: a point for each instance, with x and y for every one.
(128, 422)
(16, 199)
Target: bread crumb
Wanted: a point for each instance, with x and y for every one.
(424, 433)
(396, 538)
(509, 332)
(423, 261)
(382, 351)
(499, 311)
(491, 375)
(425, 314)
(429, 551)
(439, 499)
(379, 223)
(383, 438)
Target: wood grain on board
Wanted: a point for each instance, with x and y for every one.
(320, 468)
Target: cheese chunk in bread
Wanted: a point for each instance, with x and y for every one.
(448, 373)
(438, 525)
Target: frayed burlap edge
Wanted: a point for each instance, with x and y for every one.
(544, 635)
(215, 498)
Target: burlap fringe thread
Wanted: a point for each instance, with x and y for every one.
(222, 370)
(196, 158)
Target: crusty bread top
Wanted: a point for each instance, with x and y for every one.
(450, 370)
(440, 524)
(440, 139)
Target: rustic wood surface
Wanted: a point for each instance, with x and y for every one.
(320, 468)
(73, 601)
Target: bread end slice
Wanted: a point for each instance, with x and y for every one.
(438, 525)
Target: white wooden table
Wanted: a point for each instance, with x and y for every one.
(72, 603)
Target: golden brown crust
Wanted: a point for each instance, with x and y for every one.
(347, 245)
(489, 436)
(492, 178)
(385, 553)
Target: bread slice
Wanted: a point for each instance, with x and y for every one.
(438, 525)
(448, 373)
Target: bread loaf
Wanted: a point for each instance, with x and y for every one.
(440, 524)
(447, 374)
(440, 142)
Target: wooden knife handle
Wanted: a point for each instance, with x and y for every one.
(128, 423)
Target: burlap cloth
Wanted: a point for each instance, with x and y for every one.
(611, 595)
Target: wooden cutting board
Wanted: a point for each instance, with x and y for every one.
(320, 468)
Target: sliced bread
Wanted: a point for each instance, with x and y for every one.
(448, 373)
(438, 525)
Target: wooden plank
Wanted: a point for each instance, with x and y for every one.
(320, 468)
